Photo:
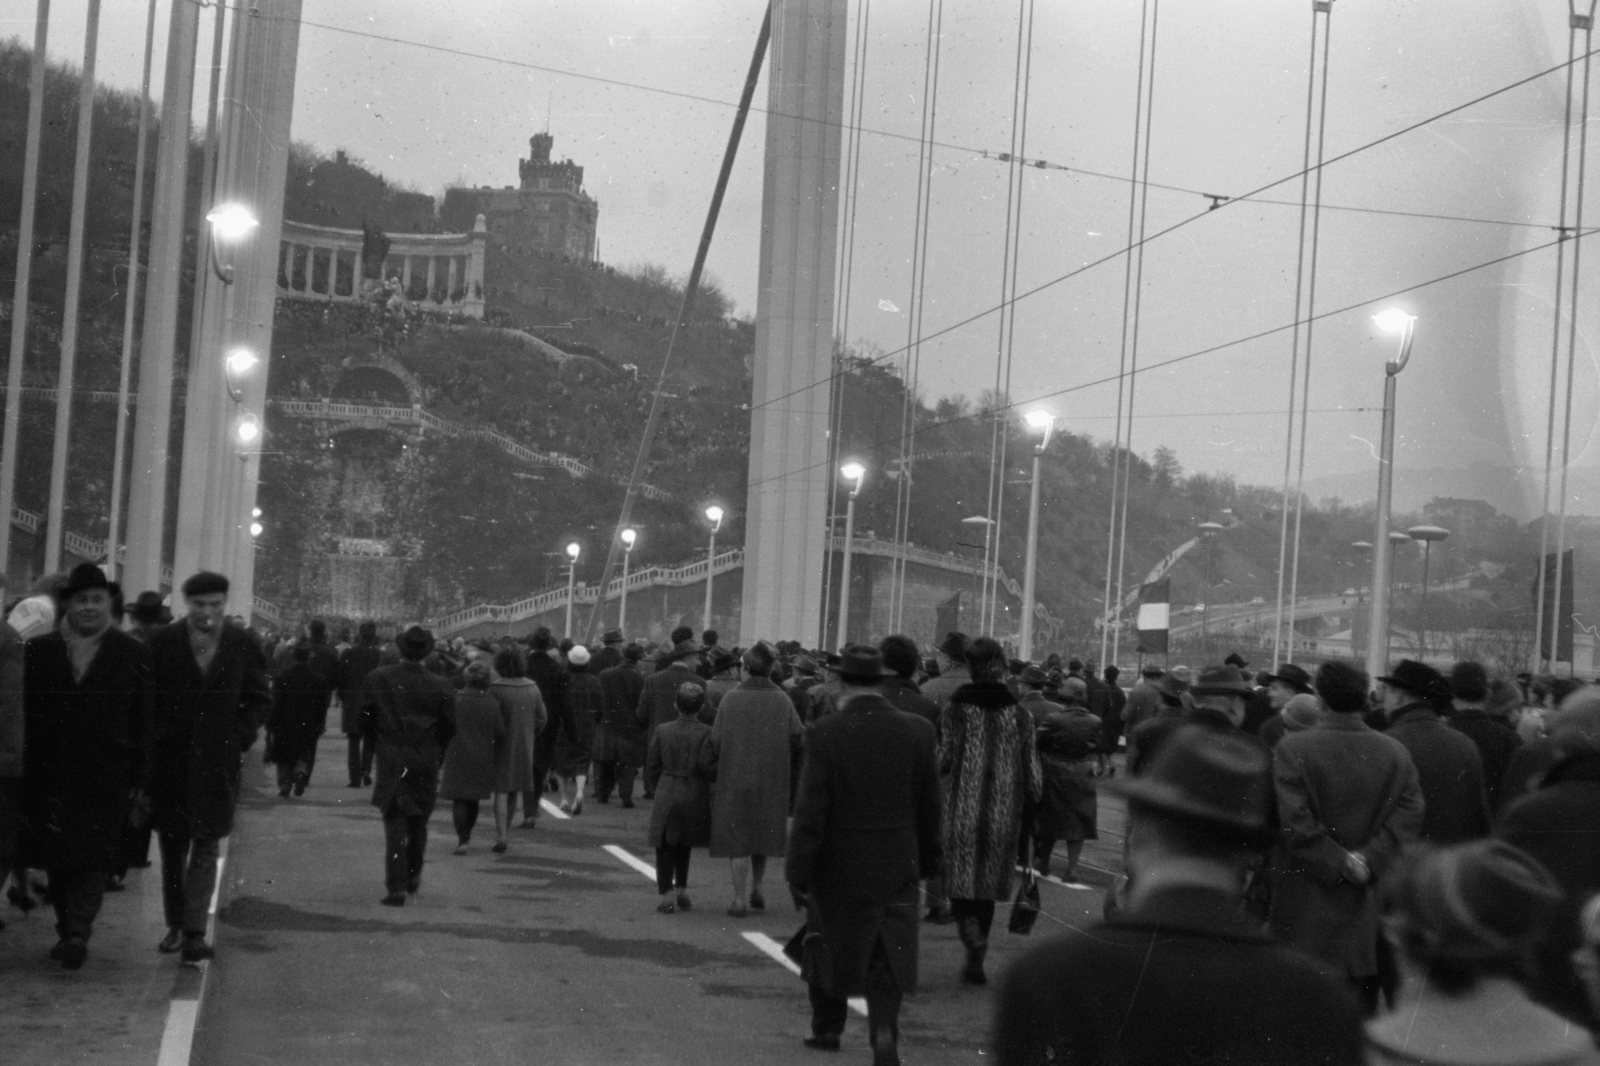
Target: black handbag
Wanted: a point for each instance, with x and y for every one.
(1025, 908)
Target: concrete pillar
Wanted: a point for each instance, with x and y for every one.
(786, 508)
(152, 426)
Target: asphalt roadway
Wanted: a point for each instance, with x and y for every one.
(551, 952)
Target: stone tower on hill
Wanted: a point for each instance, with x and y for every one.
(547, 214)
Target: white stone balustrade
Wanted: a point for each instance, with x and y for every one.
(324, 263)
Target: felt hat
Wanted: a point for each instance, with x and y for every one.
(147, 608)
(415, 642)
(1419, 679)
(1484, 900)
(955, 645)
(611, 636)
(1302, 712)
(1293, 676)
(1034, 677)
(84, 576)
(1151, 670)
(1221, 681)
(1235, 659)
(1207, 777)
(860, 664)
(1469, 681)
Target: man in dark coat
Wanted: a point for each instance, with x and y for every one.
(610, 653)
(1290, 681)
(1448, 765)
(1182, 975)
(355, 663)
(11, 739)
(866, 830)
(1558, 823)
(1348, 801)
(211, 697)
(324, 657)
(658, 698)
(300, 698)
(547, 672)
(900, 657)
(622, 739)
(412, 712)
(1496, 740)
(87, 736)
(1112, 724)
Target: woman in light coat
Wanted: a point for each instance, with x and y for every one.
(523, 712)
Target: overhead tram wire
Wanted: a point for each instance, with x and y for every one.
(1246, 197)
(1111, 620)
(1555, 346)
(846, 272)
(1310, 314)
(1285, 599)
(1133, 329)
(1223, 346)
(1586, 24)
(918, 292)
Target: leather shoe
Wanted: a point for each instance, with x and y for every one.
(195, 949)
(171, 942)
(72, 953)
(499, 847)
(683, 902)
(757, 902)
(666, 906)
(627, 804)
(394, 899)
(822, 1042)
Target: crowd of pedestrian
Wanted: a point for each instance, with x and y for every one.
(1318, 867)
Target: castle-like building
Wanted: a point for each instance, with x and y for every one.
(547, 213)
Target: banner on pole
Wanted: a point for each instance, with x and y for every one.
(1155, 602)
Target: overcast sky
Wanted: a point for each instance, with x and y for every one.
(1229, 117)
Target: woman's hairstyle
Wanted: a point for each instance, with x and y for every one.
(511, 661)
(477, 673)
(986, 659)
(1471, 911)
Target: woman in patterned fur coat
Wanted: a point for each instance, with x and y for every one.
(987, 755)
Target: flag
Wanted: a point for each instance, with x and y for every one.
(1560, 629)
(1154, 602)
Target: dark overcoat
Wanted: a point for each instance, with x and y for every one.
(413, 718)
(621, 738)
(88, 747)
(356, 662)
(1183, 977)
(469, 768)
(1559, 824)
(604, 659)
(756, 737)
(300, 698)
(1066, 741)
(204, 723)
(575, 749)
(1496, 742)
(1450, 771)
(551, 677)
(658, 700)
(1341, 787)
(866, 832)
(679, 769)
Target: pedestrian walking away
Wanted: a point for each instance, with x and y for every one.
(620, 740)
(355, 663)
(678, 770)
(468, 775)
(300, 698)
(516, 772)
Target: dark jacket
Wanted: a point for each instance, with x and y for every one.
(658, 699)
(355, 664)
(679, 769)
(1496, 742)
(1181, 978)
(575, 746)
(88, 747)
(325, 661)
(904, 694)
(300, 698)
(622, 738)
(1450, 772)
(203, 726)
(412, 712)
(866, 831)
(11, 715)
(544, 671)
(1111, 724)
(1559, 824)
(605, 658)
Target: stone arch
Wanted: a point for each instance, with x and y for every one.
(379, 372)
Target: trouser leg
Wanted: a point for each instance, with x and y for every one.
(605, 779)
(76, 896)
(174, 849)
(308, 759)
(199, 881)
(396, 828)
(353, 763)
(530, 800)
(465, 815)
(285, 772)
(369, 752)
(666, 857)
(883, 1000)
(626, 772)
(680, 866)
(828, 1013)
(1042, 849)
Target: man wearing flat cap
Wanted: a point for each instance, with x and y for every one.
(1181, 975)
(1449, 767)
(866, 830)
(412, 716)
(211, 697)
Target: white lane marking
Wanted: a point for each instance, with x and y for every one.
(631, 859)
(557, 812)
(216, 889)
(1076, 886)
(774, 950)
(177, 1039)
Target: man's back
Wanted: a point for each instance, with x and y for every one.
(1496, 742)
(619, 698)
(1181, 978)
(1451, 773)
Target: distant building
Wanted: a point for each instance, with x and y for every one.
(548, 214)
(1462, 517)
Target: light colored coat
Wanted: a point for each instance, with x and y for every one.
(755, 738)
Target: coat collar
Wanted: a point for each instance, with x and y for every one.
(1495, 1022)
(758, 684)
(1349, 723)
(1414, 712)
(990, 695)
(1193, 909)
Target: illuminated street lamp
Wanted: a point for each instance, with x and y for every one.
(1403, 325)
(573, 551)
(1042, 422)
(854, 473)
(247, 430)
(237, 364)
(628, 537)
(714, 516)
(229, 223)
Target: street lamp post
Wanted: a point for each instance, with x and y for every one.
(983, 582)
(714, 516)
(1427, 535)
(573, 551)
(1044, 422)
(854, 473)
(628, 537)
(1209, 531)
(1398, 322)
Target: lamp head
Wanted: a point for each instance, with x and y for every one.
(240, 360)
(232, 222)
(248, 429)
(714, 516)
(853, 471)
(1393, 320)
(574, 550)
(255, 529)
(628, 537)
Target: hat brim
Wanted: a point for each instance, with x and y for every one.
(1242, 691)
(1170, 800)
(1298, 686)
(856, 675)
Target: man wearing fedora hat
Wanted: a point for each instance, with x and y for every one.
(1290, 681)
(1181, 975)
(866, 830)
(609, 653)
(211, 698)
(1449, 767)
